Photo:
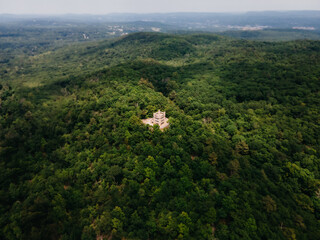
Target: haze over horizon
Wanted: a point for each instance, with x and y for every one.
(145, 6)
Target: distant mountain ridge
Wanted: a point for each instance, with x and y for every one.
(187, 20)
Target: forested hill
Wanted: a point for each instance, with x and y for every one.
(240, 160)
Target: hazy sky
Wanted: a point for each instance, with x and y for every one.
(151, 6)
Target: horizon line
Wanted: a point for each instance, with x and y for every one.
(145, 13)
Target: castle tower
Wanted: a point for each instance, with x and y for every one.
(159, 118)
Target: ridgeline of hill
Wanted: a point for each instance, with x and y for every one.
(240, 160)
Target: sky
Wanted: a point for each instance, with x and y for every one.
(150, 6)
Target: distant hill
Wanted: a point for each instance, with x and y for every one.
(195, 21)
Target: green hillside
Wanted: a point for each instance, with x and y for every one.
(240, 159)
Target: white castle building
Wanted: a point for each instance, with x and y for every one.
(159, 118)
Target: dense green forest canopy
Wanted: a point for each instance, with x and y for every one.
(240, 160)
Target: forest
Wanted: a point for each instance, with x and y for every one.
(240, 160)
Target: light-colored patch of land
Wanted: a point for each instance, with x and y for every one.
(149, 121)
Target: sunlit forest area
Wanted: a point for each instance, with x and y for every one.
(240, 159)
